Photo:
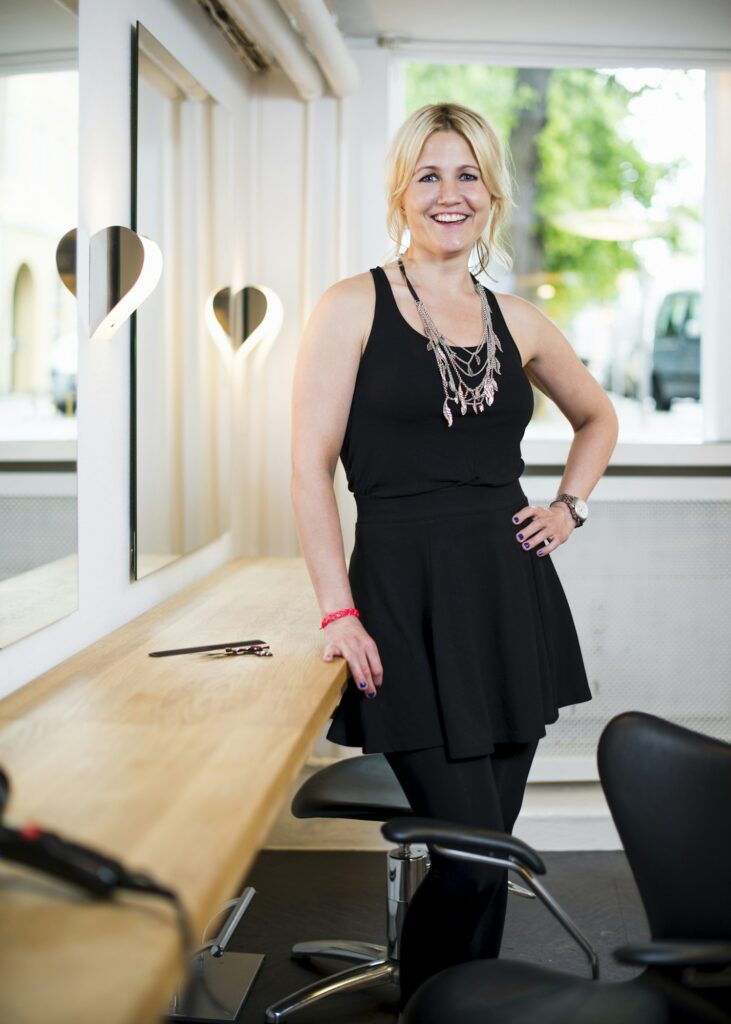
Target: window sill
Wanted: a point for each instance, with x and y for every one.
(712, 456)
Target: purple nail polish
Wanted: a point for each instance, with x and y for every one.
(515, 519)
(541, 553)
(526, 544)
(362, 684)
(520, 536)
(370, 695)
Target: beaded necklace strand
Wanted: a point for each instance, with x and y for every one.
(457, 371)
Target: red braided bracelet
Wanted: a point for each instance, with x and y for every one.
(339, 615)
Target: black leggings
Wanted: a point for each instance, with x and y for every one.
(458, 911)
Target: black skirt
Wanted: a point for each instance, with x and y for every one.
(475, 634)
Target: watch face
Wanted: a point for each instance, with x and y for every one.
(581, 508)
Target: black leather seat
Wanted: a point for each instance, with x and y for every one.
(362, 788)
(669, 792)
(524, 993)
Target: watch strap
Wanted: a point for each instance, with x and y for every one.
(570, 500)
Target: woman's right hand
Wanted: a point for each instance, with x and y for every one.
(347, 638)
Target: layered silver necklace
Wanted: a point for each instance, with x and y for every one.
(458, 371)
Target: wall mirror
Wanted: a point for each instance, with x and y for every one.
(38, 315)
(181, 372)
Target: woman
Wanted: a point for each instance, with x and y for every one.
(456, 629)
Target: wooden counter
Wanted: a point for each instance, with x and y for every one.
(177, 766)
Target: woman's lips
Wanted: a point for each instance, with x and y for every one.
(450, 223)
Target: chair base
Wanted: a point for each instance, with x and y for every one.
(352, 979)
(337, 949)
(375, 965)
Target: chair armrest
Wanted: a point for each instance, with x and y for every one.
(469, 842)
(675, 953)
(463, 837)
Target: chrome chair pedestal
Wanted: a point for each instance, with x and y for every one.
(374, 964)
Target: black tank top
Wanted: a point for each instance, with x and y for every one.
(397, 441)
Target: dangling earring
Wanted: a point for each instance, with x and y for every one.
(483, 255)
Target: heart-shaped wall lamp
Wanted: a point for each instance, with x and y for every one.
(242, 319)
(218, 320)
(124, 268)
(66, 260)
(249, 308)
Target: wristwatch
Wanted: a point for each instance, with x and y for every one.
(577, 507)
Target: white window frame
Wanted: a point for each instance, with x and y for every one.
(715, 449)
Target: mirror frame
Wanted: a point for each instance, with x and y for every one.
(193, 89)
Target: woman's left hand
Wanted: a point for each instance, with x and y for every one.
(554, 522)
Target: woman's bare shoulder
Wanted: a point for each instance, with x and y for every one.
(523, 320)
(358, 287)
(517, 305)
(352, 301)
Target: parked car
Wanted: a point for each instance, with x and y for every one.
(676, 350)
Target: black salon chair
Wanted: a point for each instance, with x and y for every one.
(362, 788)
(669, 792)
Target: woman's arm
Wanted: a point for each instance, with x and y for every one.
(327, 366)
(553, 366)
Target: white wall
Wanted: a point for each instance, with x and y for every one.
(262, 386)
(107, 598)
(319, 217)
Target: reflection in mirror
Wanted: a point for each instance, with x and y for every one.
(219, 319)
(38, 325)
(182, 190)
(250, 308)
(233, 320)
(66, 260)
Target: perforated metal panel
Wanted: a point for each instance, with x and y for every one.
(35, 530)
(648, 585)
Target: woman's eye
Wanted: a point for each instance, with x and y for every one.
(464, 174)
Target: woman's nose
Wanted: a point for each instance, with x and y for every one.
(448, 192)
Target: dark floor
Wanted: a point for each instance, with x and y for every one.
(324, 894)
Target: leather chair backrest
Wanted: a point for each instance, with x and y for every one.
(669, 791)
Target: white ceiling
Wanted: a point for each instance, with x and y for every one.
(657, 23)
(32, 26)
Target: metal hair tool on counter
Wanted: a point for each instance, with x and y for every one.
(259, 647)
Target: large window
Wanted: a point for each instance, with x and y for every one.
(607, 236)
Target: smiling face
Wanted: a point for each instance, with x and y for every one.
(446, 204)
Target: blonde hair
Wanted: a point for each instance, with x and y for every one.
(492, 159)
